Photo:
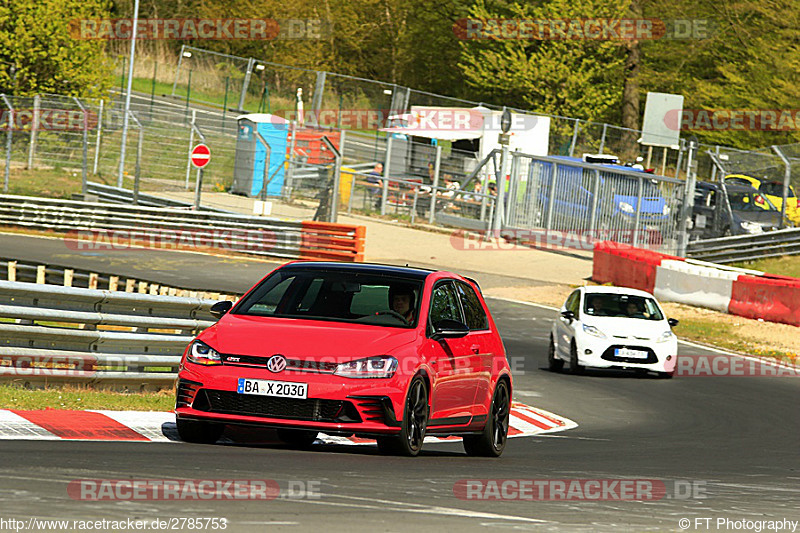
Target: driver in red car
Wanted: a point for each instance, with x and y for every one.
(401, 301)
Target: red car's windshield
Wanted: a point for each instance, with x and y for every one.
(368, 298)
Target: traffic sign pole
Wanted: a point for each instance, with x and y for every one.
(200, 156)
(197, 189)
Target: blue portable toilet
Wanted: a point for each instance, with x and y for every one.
(248, 170)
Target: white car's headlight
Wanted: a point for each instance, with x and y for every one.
(372, 367)
(625, 207)
(667, 335)
(201, 353)
(752, 227)
(591, 330)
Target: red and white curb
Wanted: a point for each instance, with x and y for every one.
(151, 426)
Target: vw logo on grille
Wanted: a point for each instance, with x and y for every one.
(276, 363)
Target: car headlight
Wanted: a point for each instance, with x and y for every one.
(667, 335)
(625, 207)
(591, 330)
(370, 367)
(201, 353)
(752, 227)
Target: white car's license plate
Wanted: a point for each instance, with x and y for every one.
(632, 354)
(282, 389)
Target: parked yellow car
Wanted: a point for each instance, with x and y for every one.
(773, 191)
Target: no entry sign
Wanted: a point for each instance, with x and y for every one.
(200, 156)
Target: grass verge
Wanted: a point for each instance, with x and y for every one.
(788, 265)
(72, 397)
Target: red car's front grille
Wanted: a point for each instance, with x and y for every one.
(312, 409)
(291, 364)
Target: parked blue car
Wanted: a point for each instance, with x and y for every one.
(573, 197)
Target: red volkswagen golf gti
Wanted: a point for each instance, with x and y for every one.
(375, 351)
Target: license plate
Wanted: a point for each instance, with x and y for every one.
(282, 389)
(632, 354)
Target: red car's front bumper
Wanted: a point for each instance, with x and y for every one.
(334, 404)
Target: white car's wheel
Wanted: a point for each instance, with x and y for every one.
(574, 366)
(553, 363)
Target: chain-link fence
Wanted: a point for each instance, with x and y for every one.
(83, 138)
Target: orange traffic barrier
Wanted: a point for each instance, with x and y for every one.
(334, 242)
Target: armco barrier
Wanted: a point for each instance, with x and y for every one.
(95, 336)
(774, 300)
(112, 225)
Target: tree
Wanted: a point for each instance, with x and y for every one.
(746, 56)
(571, 77)
(37, 39)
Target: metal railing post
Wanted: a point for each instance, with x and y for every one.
(595, 201)
(34, 129)
(316, 101)
(386, 167)
(436, 167)
(787, 176)
(551, 198)
(137, 174)
(688, 201)
(499, 210)
(638, 217)
(603, 139)
(574, 138)
(85, 161)
(334, 212)
(191, 145)
(9, 136)
(178, 70)
(97, 140)
(289, 183)
(247, 74)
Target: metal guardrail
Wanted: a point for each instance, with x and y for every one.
(51, 274)
(746, 247)
(118, 195)
(239, 233)
(65, 334)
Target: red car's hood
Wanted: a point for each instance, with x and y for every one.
(301, 339)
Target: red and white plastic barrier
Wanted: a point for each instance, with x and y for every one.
(746, 293)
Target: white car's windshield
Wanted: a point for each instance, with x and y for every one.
(621, 305)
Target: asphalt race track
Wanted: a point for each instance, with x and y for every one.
(735, 440)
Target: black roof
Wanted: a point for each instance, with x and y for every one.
(363, 268)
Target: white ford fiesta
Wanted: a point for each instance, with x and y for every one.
(613, 327)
